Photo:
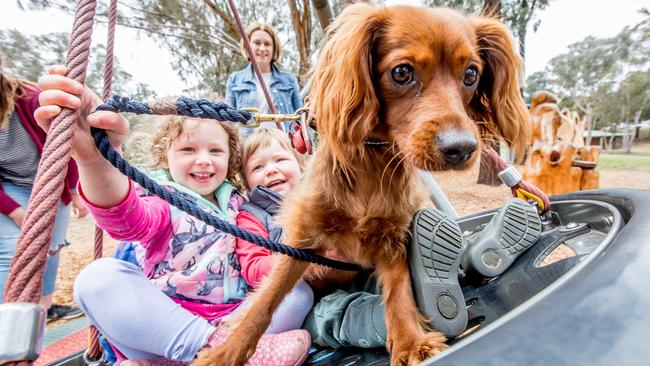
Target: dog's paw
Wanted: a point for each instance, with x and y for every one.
(414, 353)
(218, 356)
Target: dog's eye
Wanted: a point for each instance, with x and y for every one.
(471, 76)
(402, 74)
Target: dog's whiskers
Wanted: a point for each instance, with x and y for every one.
(390, 181)
(381, 179)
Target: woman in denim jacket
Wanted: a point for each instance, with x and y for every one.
(242, 87)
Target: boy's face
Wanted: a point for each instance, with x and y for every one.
(198, 157)
(273, 167)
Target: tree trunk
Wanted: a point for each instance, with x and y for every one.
(637, 118)
(324, 13)
(301, 21)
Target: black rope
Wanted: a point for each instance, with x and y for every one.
(200, 108)
(177, 200)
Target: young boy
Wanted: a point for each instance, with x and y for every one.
(271, 169)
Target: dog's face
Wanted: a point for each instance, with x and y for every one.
(431, 81)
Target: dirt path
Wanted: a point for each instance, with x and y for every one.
(466, 196)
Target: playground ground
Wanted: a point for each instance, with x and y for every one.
(617, 170)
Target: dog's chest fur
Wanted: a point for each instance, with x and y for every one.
(361, 219)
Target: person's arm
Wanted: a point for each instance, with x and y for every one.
(142, 219)
(255, 261)
(230, 97)
(7, 204)
(295, 95)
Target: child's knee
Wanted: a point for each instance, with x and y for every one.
(96, 280)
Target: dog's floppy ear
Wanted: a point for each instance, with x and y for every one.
(498, 100)
(342, 90)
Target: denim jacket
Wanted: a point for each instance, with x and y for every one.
(241, 90)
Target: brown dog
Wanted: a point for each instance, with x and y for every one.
(428, 83)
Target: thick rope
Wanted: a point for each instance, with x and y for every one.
(24, 282)
(501, 165)
(178, 200)
(251, 57)
(94, 351)
(182, 106)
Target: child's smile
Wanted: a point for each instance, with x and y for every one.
(198, 157)
(273, 167)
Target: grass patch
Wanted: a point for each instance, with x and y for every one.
(623, 161)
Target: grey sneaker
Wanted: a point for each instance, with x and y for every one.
(434, 259)
(512, 230)
(57, 312)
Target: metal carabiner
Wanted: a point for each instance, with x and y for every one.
(259, 117)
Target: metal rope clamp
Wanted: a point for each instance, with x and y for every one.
(22, 325)
(510, 176)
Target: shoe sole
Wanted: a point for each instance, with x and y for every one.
(436, 244)
(66, 317)
(500, 245)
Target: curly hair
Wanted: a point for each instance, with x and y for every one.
(172, 127)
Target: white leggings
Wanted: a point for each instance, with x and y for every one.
(143, 323)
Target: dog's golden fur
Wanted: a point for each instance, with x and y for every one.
(358, 199)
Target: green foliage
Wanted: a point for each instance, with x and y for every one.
(607, 79)
(30, 56)
(464, 6)
(201, 35)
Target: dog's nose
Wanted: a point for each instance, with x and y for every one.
(456, 147)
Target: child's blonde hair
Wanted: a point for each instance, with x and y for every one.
(172, 127)
(261, 138)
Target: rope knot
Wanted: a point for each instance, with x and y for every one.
(124, 104)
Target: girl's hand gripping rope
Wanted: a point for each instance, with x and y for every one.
(59, 91)
(102, 184)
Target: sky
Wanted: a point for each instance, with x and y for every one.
(563, 22)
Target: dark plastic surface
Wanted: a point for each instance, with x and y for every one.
(596, 314)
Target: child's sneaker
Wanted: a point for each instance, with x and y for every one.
(434, 259)
(65, 312)
(510, 232)
(288, 348)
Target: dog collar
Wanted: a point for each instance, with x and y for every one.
(375, 141)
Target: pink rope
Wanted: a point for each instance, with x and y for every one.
(94, 351)
(501, 165)
(24, 283)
